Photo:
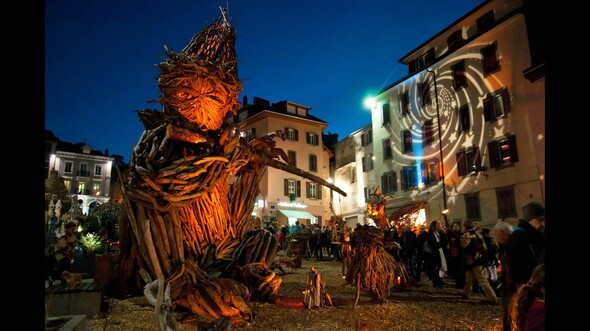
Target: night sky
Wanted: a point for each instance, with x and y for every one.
(100, 57)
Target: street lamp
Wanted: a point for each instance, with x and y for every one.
(440, 146)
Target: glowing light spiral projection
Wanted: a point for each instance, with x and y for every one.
(450, 101)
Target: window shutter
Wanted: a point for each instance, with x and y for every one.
(430, 56)
(296, 135)
(307, 188)
(308, 138)
(286, 186)
(494, 154)
(403, 179)
(513, 151)
(405, 102)
(298, 188)
(487, 109)
(411, 66)
(506, 100)
(461, 166)
(386, 114)
(320, 189)
(477, 158)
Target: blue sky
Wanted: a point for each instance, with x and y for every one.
(100, 56)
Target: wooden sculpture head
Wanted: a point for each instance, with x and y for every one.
(201, 83)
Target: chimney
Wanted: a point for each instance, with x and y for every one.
(245, 102)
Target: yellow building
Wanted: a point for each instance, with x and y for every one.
(285, 196)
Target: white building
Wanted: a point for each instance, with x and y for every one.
(482, 79)
(86, 172)
(355, 175)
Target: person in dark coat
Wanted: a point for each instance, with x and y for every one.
(421, 255)
(457, 268)
(408, 241)
(526, 248)
(437, 240)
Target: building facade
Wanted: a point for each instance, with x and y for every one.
(285, 196)
(86, 172)
(355, 175)
(469, 114)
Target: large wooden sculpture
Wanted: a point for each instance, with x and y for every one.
(181, 222)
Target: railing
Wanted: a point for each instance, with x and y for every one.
(81, 173)
(346, 160)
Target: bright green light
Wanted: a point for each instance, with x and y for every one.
(369, 102)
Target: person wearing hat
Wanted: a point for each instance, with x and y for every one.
(525, 249)
(475, 259)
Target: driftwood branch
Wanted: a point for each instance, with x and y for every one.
(296, 171)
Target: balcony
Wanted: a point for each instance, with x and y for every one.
(82, 173)
(346, 160)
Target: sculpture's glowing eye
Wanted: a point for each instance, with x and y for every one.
(183, 95)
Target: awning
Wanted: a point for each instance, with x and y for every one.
(298, 214)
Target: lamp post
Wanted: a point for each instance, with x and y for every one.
(440, 146)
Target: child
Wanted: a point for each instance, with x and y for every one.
(527, 307)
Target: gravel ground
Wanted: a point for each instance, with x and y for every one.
(419, 308)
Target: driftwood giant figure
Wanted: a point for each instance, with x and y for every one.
(180, 221)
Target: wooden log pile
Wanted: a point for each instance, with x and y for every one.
(315, 294)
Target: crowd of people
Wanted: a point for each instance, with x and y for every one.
(504, 264)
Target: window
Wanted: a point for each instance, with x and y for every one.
(367, 163)
(98, 170)
(468, 161)
(96, 187)
(367, 191)
(505, 199)
(430, 172)
(404, 101)
(83, 171)
(312, 139)
(427, 137)
(82, 188)
(424, 89)
(490, 62)
(313, 190)
(387, 151)
(422, 62)
(503, 152)
(292, 188)
(464, 119)
(455, 40)
(407, 141)
(388, 182)
(472, 206)
(68, 184)
(496, 105)
(313, 163)
(353, 175)
(251, 134)
(459, 78)
(292, 158)
(367, 138)
(292, 134)
(408, 177)
(68, 167)
(485, 22)
(386, 114)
